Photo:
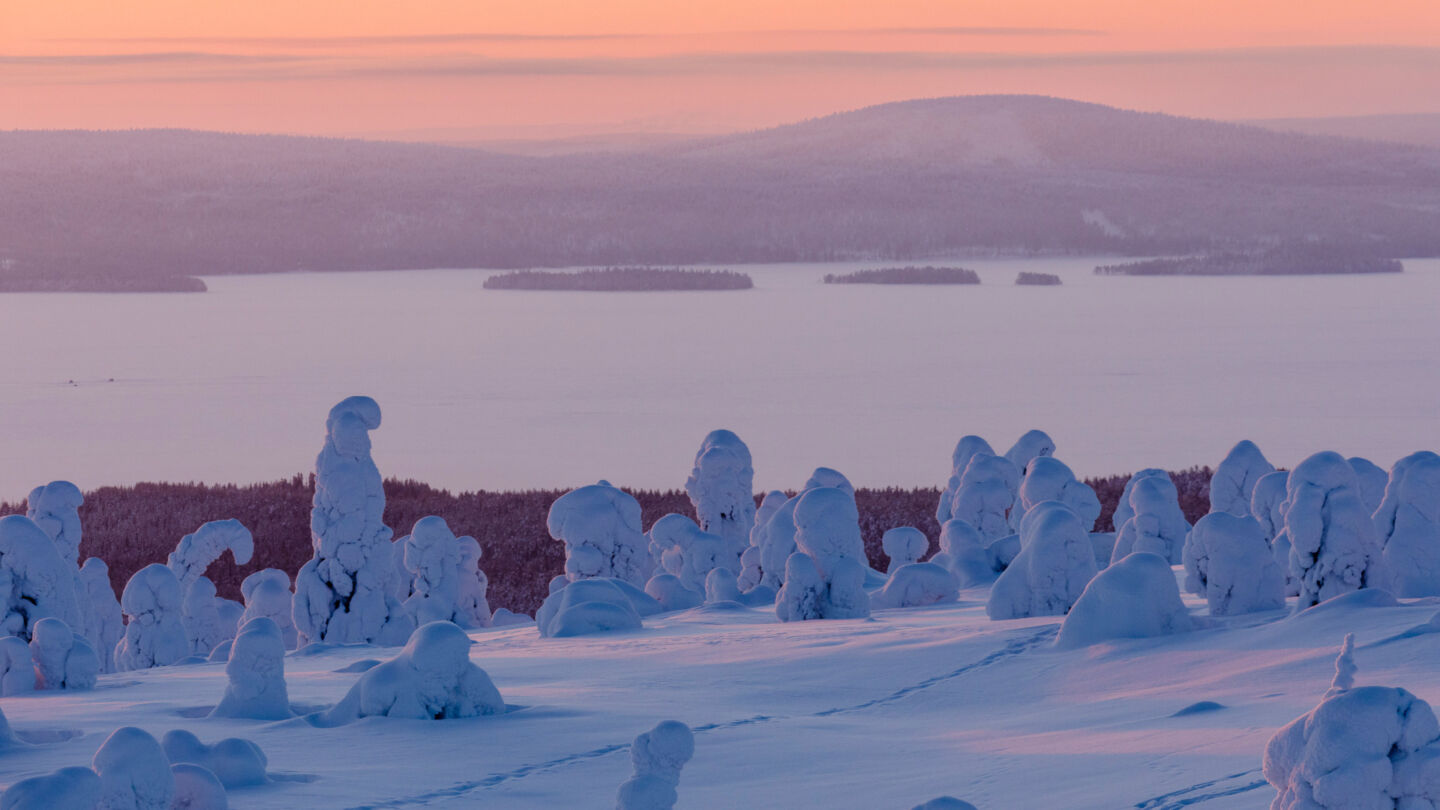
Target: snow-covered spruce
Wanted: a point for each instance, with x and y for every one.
(657, 756)
(431, 679)
(751, 573)
(903, 545)
(196, 788)
(985, 495)
(1123, 511)
(35, 581)
(1136, 597)
(473, 608)
(1055, 563)
(1372, 478)
(342, 593)
(433, 558)
(1408, 522)
(101, 621)
(586, 606)
(63, 660)
(1156, 522)
(17, 670)
(600, 527)
(1234, 478)
(721, 487)
(832, 585)
(964, 553)
(55, 508)
(682, 548)
(1267, 504)
(1345, 667)
(209, 621)
(1333, 546)
(255, 674)
(154, 635)
(671, 593)
(196, 551)
(134, 772)
(965, 449)
(234, 761)
(73, 788)
(916, 585)
(1049, 479)
(1228, 562)
(1034, 444)
(267, 593)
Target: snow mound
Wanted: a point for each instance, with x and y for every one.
(1408, 522)
(721, 585)
(1156, 523)
(255, 671)
(235, 762)
(1234, 480)
(35, 581)
(985, 495)
(1136, 597)
(965, 449)
(267, 594)
(196, 788)
(671, 593)
(55, 508)
(657, 756)
(1034, 444)
(1049, 479)
(1333, 546)
(343, 594)
(196, 551)
(17, 668)
(945, 803)
(916, 585)
(1228, 562)
(1055, 563)
(600, 527)
(63, 660)
(134, 772)
(101, 621)
(431, 679)
(721, 487)
(154, 635)
(586, 606)
(904, 545)
(74, 788)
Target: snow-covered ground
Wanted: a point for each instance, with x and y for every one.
(885, 712)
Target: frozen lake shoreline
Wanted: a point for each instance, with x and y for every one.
(513, 390)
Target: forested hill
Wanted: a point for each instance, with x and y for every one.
(909, 180)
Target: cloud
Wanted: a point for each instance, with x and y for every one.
(156, 58)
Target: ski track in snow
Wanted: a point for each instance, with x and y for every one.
(1191, 796)
(1013, 648)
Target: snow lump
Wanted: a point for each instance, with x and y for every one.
(431, 679)
(1135, 597)
(657, 756)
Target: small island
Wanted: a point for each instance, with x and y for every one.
(906, 275)
(1285, 261)
(621, 279)
(1028, 279)
(50, 282)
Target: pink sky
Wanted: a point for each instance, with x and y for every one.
(544, 68)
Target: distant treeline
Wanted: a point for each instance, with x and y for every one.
(906, 275)
(1027, 278)
(621, 279)
(131, 527)
(1296, 260)
(13, 280)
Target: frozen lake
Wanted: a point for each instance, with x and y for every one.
(506, 390)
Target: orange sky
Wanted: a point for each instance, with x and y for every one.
(483, 69)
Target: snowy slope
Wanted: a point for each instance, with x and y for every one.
(865, 714)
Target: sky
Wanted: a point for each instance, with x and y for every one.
(500, 69)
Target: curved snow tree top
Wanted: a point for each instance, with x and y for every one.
(1123, 512)
(1235, 477)
(1034, 444)
(1267, 503)
(826, 477)
(827, 527)
(965, 449)
(55, 508)
(1228, 561)
(1055, 562)
(903, 545)
(1394, 490)
(721, 487)
(986, 493)
(1133, 598)
(1333, 546)
(35, 581)
(1156, 524)
(1049, 479)
(600, 527)
(196, 551)
(1411, 531)
(1372, 481)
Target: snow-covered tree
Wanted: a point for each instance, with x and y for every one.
(1034, 444)
(17, 669)
(1333, 546)
(73, 788)
(255, 673)
(1267, 504)
(722, 586)
(154, 634)
(965, 449)
(671, 593)
(964, 553)
(342, 594)
(1235, 477)
(721, 486)
(35, 581)
(474, 606)
(196, 788)
(62, 659)
(101, 622)
(827, 531)
(1228, 562)
(1123, 512)
(134, 772)
(600, 527)
(209, 621)
(432, 556)
(267, 593)
(776, 539)
(657, 756)
(1408, 521)
(1135, 597)
(1156, 523)
(55, 508)
(985, 494)
(431, 679)
(1055, 562)
(586, 606)
(903, 545)
(1372, 480)
(751, 572)
(1049, 479)
(917, 585)
(235, 762)
(686, 551)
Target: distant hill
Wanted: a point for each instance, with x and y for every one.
(1418, 129)
(904, 181)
